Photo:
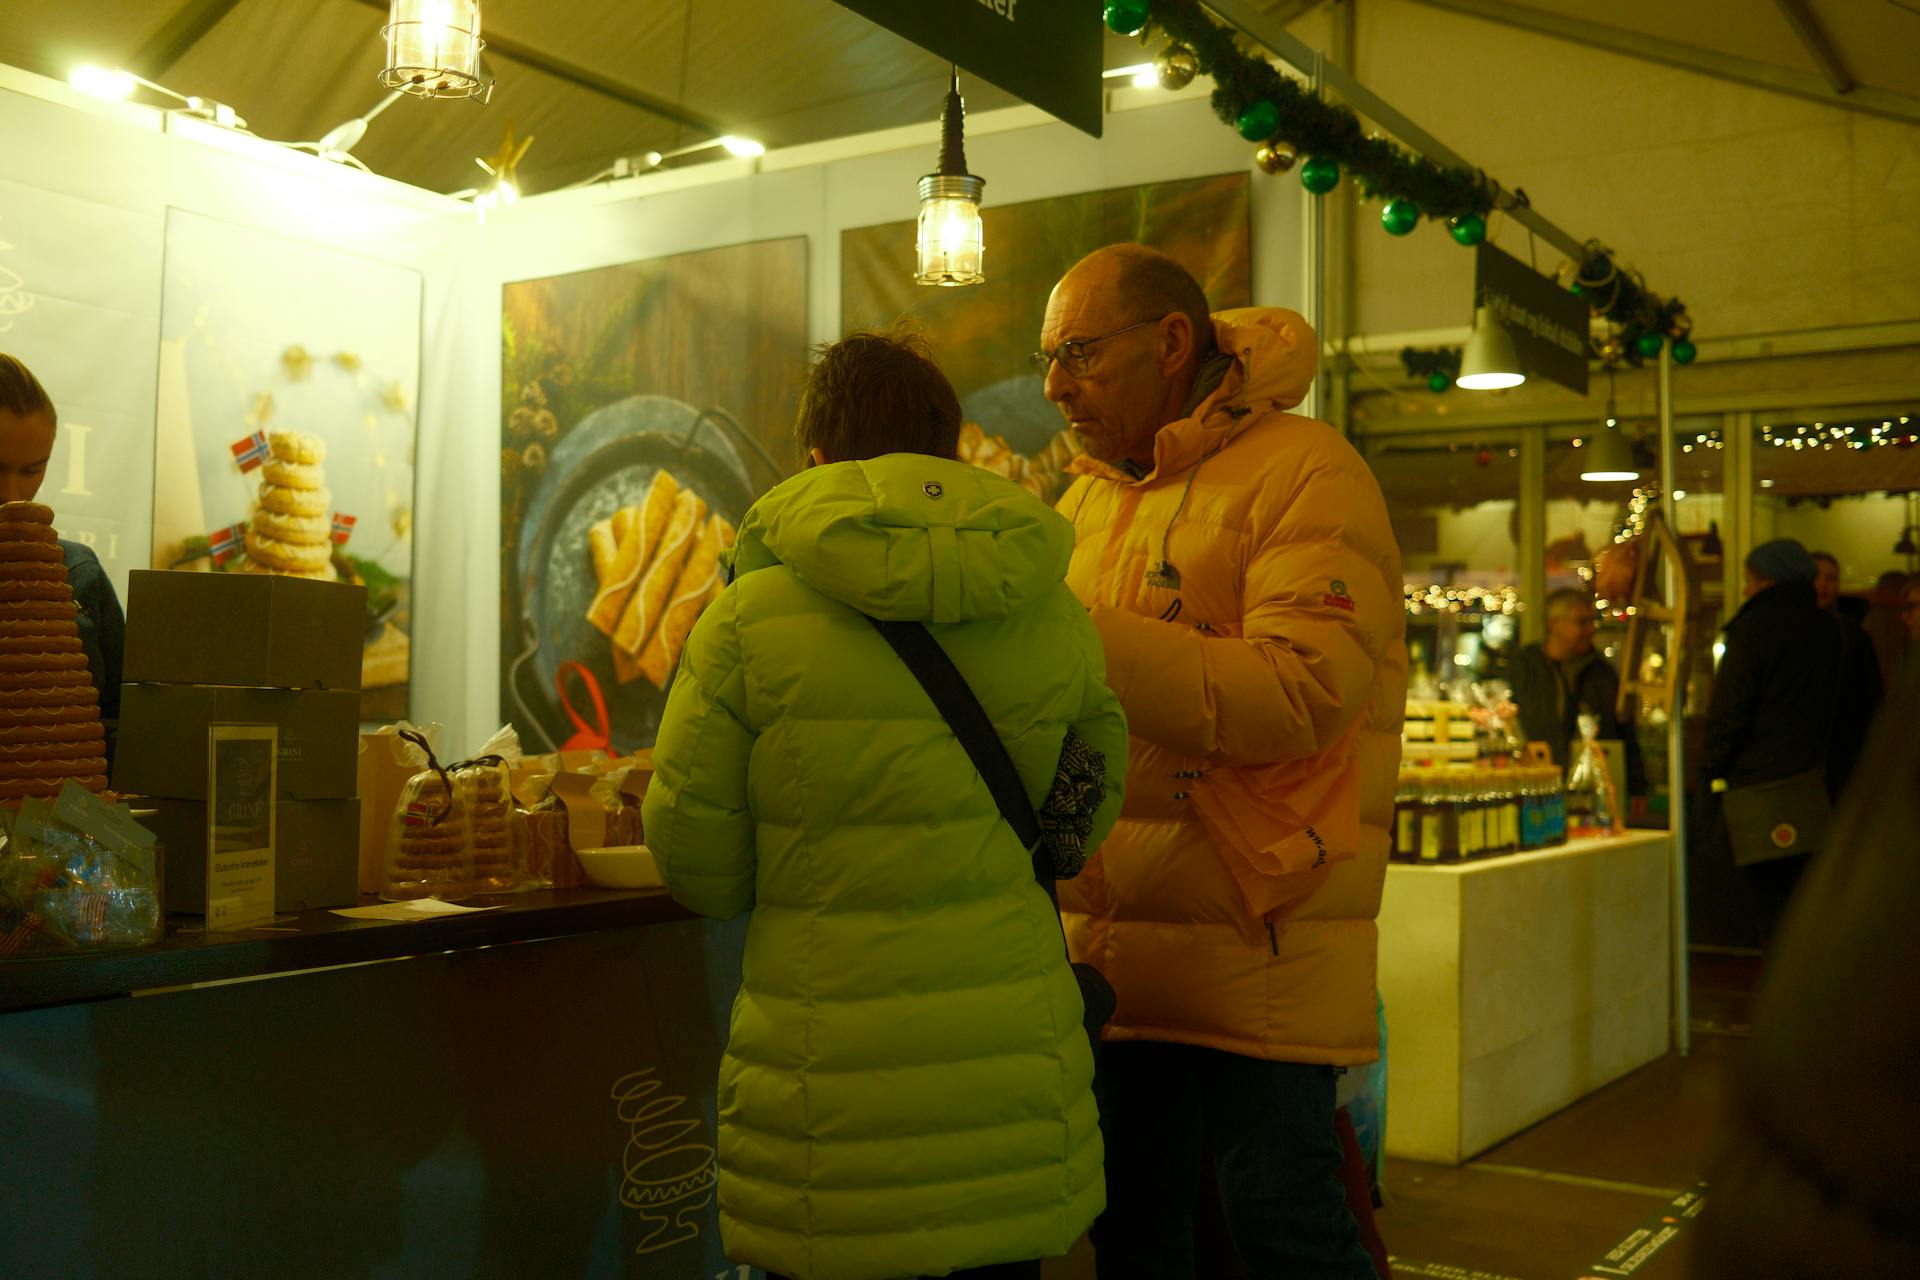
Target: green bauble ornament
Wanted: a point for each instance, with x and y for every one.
(1258, 121)
(1468, 229)
(1684, 351)
(1320, 174)
(1126, 16)
(1574, 288)
(1648, 344)
(1438, 381)
(1400, 216)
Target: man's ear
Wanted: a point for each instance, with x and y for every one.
(819, 456)
(1177, 341)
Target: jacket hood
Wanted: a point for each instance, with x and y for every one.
(907, 537)
(1275, 354)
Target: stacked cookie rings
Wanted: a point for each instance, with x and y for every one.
(50, 727)
(291, 533)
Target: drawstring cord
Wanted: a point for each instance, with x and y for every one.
(1165, 574)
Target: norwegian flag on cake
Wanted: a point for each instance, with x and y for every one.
(251, 451)
(343, 526)
(225, 544)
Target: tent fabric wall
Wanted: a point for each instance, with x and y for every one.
(121, 160)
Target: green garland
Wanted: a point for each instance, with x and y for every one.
(1265, 106)
(1314, 127)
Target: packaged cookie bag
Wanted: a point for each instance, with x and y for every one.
(483, 790)
(429, 852)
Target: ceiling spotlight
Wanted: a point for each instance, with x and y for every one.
(1489, 362)
(337, 143)
(114, 86)
(746, 148)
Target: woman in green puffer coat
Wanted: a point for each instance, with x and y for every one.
(907, 1085)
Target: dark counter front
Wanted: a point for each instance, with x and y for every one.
(521, 1092)
(318, 939)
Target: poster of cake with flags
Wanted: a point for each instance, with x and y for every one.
(286, 424)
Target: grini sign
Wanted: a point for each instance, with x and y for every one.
(1046, 52)
(1548, 323)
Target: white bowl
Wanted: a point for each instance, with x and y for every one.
(621, 867)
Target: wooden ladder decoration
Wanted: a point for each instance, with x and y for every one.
(1644, 686)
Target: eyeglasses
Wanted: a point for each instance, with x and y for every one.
(1073, 356)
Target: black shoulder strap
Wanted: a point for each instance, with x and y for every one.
(954, 699)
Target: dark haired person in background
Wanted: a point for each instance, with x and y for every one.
(27, 426)
(1771, 713)
(1564, 677)
(1860, 686)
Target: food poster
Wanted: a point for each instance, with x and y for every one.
(983, 334)
(645, 407)
(285, 424)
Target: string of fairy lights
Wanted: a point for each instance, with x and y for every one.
(1441, 597)
(1898, 432)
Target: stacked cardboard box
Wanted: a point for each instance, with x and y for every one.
(216, 648)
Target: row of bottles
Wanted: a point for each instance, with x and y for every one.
(1449, 815)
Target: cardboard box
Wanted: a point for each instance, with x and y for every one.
(243, 629)
(163, 738)
(316, 852)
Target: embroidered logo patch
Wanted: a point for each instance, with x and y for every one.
(932, 489)
(1784, 835)
(1337, 597)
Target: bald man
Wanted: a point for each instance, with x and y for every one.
(1239, 565)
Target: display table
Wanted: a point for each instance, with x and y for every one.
(1516, 985)
(520, 1092)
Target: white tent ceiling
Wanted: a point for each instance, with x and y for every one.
(594, 80)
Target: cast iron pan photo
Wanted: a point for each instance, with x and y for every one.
(607, 462)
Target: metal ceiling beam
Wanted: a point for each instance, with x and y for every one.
(188, 26)
(1813, 37)
(584, 78)
(1276, 37)
(1707, 62)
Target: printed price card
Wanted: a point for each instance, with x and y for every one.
(242, 781)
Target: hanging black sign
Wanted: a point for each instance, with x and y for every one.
(1046, 52)
(1548, 323)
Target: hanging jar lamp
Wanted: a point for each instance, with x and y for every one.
(951, 241)
(433, 49)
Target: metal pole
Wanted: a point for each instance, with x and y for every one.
(1314, 228)
(1676, 733)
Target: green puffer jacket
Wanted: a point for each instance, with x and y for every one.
(907, 1087)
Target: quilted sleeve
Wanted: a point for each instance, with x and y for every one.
(1300, 672)
(1103, 726)
(696, 813)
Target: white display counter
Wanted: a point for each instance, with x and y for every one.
(1516, 985)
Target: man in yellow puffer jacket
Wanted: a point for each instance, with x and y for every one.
(1238, 562)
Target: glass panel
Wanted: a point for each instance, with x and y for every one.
(1454, 506)
(1846, 486)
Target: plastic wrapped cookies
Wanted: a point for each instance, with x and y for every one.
(50, 727)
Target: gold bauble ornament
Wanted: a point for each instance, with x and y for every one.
(1613, 351)
(1177, 67)
(1274, 159)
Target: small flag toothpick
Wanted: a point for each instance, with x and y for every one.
(250, 451)
(343, 526)
(225, 544)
